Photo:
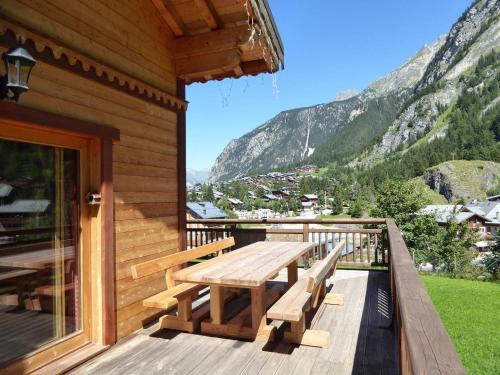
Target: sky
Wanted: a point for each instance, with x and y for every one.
(330, 46)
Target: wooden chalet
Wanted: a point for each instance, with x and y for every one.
(105, 113)
(99, 281)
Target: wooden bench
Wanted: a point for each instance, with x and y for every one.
(180, 295)
(303, 296)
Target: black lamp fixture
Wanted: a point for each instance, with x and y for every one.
(18, 65)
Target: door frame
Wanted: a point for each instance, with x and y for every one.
(24, 124)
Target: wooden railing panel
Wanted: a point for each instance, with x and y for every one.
(425, 347)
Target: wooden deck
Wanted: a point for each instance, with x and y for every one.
(361, 342)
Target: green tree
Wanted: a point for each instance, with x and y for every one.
(224, 204)
(399, 200)
(192, 197)
(207, 193)
(356, 209)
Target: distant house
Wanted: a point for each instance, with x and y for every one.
(483, 216)
(204, 210)
(235, 203)
(309, 198)
(270, 197)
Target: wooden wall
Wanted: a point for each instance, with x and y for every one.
(131, 37)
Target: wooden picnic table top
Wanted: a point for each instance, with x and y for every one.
(38, 259)
(247, 267)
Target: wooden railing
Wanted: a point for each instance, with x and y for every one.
(364, 246)
(424, 344)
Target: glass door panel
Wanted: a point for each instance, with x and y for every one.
(40, 277)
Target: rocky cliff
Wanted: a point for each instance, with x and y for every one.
(462, 179)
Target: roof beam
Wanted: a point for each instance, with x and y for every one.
(211, 42)
(211, 64)
(171, 17)
(208, 13)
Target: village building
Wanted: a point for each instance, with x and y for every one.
(204, 210)
(270, 197)
(484, 217)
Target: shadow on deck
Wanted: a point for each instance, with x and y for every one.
(362, 341)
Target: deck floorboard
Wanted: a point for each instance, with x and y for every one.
(361, 342)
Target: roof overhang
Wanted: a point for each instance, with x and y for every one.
(216, 39)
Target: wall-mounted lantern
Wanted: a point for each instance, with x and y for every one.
(18, 65)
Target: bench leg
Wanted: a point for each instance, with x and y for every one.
(334, 299)
(173, 322)
(299, 335)
(293, 273)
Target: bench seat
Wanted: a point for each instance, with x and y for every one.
(179, 295)
(303, 296)
(170, 297)
(291, 306)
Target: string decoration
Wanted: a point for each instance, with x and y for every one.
(256, 35)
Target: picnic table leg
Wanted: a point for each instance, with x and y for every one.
(293, 274)
(217, 304)
(259, 320)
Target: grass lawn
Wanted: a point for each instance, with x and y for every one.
(470, 311)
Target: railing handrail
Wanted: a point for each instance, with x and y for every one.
(423, 337)
(287, 221)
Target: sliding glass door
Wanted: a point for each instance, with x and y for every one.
(42, 257)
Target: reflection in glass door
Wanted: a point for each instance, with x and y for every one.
(40, 270)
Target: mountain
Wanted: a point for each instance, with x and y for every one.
(292, 136)
(196, 176)
(475, 34)
(402, 115)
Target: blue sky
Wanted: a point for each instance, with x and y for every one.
(330, 46)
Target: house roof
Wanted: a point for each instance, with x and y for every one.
(205, 210)
(234, 201)
(487, 209)
(494, 198)
(310, 196)
(25, 206)
(5, 190)
(442, 212)
(271, 197)
(216, 41)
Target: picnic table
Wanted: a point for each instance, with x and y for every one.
(248, 267)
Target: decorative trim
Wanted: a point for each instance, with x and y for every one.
(52, 52)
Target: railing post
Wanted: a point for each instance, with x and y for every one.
(305, 233)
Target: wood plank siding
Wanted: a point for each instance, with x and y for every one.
(132, 38)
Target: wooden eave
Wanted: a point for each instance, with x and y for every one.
(212, 39)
